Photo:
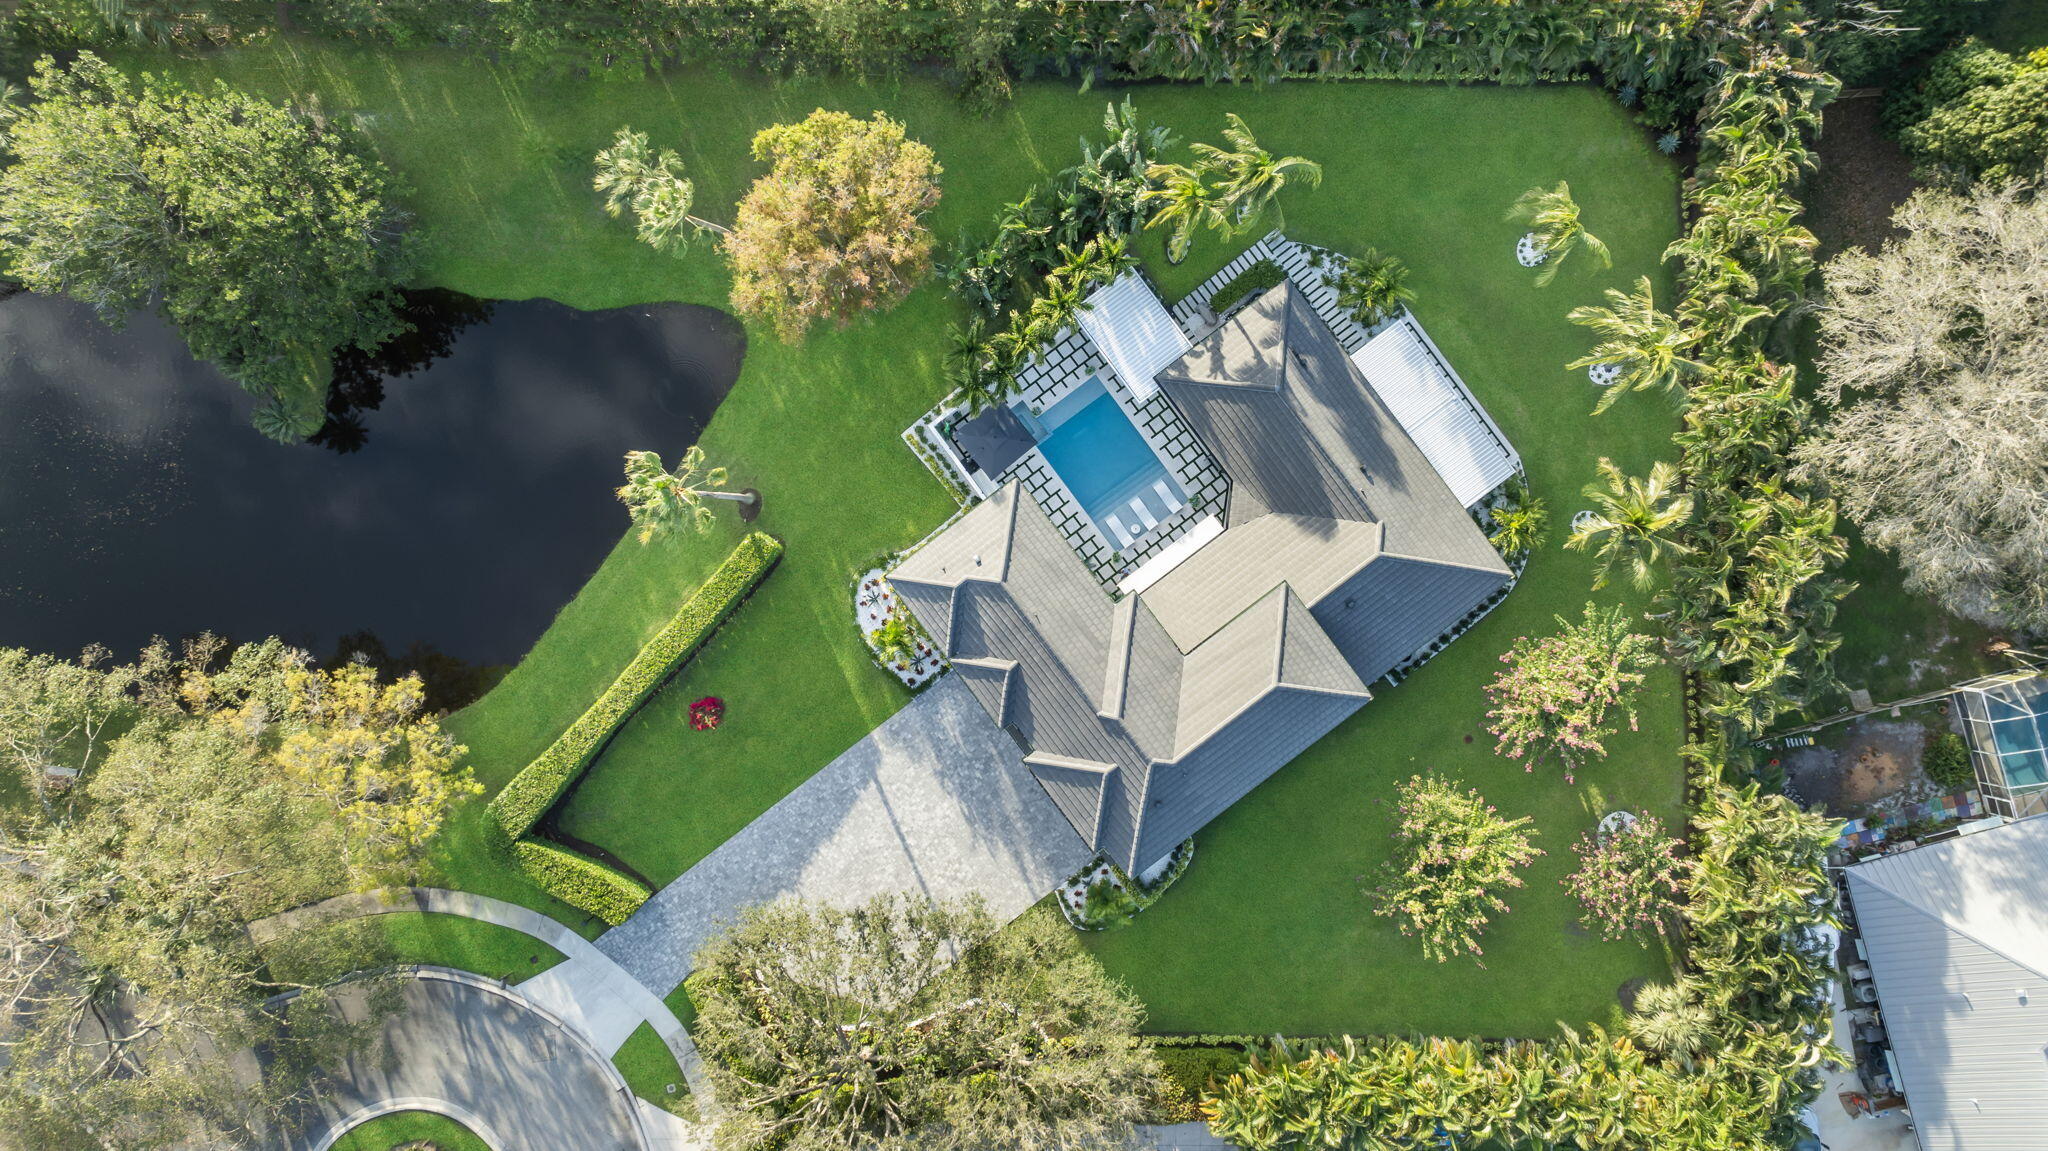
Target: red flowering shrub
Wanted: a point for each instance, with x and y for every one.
(706, 712)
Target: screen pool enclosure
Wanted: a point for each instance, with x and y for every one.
(2005, 721)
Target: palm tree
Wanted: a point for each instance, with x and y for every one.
(1183, 202)
(1372, 287)
(970, 366)
(1671, 1020)
(661, 499)
(1632, 522)
(651, 185)
(1648, 345)
(1520, 524)
(1249, 178)
(1553, 219)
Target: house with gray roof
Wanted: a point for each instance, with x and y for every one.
(1338, 555)
(1956, 935)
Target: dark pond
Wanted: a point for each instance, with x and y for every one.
(459, 496)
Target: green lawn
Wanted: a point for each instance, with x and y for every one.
(424, 938)
(499, 165)
(650, 1070)
(404, 1127)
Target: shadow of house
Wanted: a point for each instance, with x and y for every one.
(1344, 557)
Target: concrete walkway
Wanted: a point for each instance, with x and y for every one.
(936, 800)
(472, 1051)
(586, 991)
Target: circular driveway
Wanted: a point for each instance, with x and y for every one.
(482, 1056)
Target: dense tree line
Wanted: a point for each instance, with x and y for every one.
(1662, 53)
(1718, 1060)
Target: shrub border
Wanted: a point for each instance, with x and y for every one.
(572, 877)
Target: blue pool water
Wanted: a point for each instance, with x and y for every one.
(1088, 440)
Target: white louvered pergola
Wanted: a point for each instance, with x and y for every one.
(1134, 332)
(1438, 411)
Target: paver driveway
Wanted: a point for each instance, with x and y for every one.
(936, 800)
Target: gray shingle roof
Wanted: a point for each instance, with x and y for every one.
(1345, 554)
(1957, 934)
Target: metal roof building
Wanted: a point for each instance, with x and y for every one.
(1957, 936)
(1344, 557)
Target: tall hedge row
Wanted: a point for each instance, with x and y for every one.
(579, 881)
(533, 791)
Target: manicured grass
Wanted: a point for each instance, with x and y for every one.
(435, 940)
(649, 1070)
(500, 168)
(1276, 885)
(402, 1127)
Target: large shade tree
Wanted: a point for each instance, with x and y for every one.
(1935, 353)
(266, 235)
(907, 1023)
(185, 796)
(836, 227)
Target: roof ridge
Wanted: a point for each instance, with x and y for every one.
(1914, 907)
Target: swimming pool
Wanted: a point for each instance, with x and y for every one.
(1113, 473)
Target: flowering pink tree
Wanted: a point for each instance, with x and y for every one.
(1452, 854)
(1558, 691)
(1628, 880)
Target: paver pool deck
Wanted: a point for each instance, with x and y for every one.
(936, 800)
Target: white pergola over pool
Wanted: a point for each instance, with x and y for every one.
(1134, 333)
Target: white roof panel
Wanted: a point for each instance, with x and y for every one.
(1438, 411)
(1957, 936)
(1134, 332)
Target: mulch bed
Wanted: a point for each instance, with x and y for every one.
(1860, 178)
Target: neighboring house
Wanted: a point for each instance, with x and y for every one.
(2005, 722)
(1338, 555)
(1956, 935)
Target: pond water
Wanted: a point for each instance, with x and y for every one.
(458, 498)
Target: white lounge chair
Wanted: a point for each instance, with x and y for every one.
(1167, 499)
(1143, 513)
(1116, 528)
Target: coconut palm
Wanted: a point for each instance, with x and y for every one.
(1182, 202)
(1553, 219)
(1248, 177)
(1648, 345)
(651, 185)
(970, 366)
(661, 499)
(1633, 522)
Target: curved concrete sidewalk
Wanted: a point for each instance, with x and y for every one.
(936, 800)
(586, 990)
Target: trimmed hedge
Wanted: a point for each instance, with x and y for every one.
(530, 794)
(573, 878)
(1257, 278)
(580, 881)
